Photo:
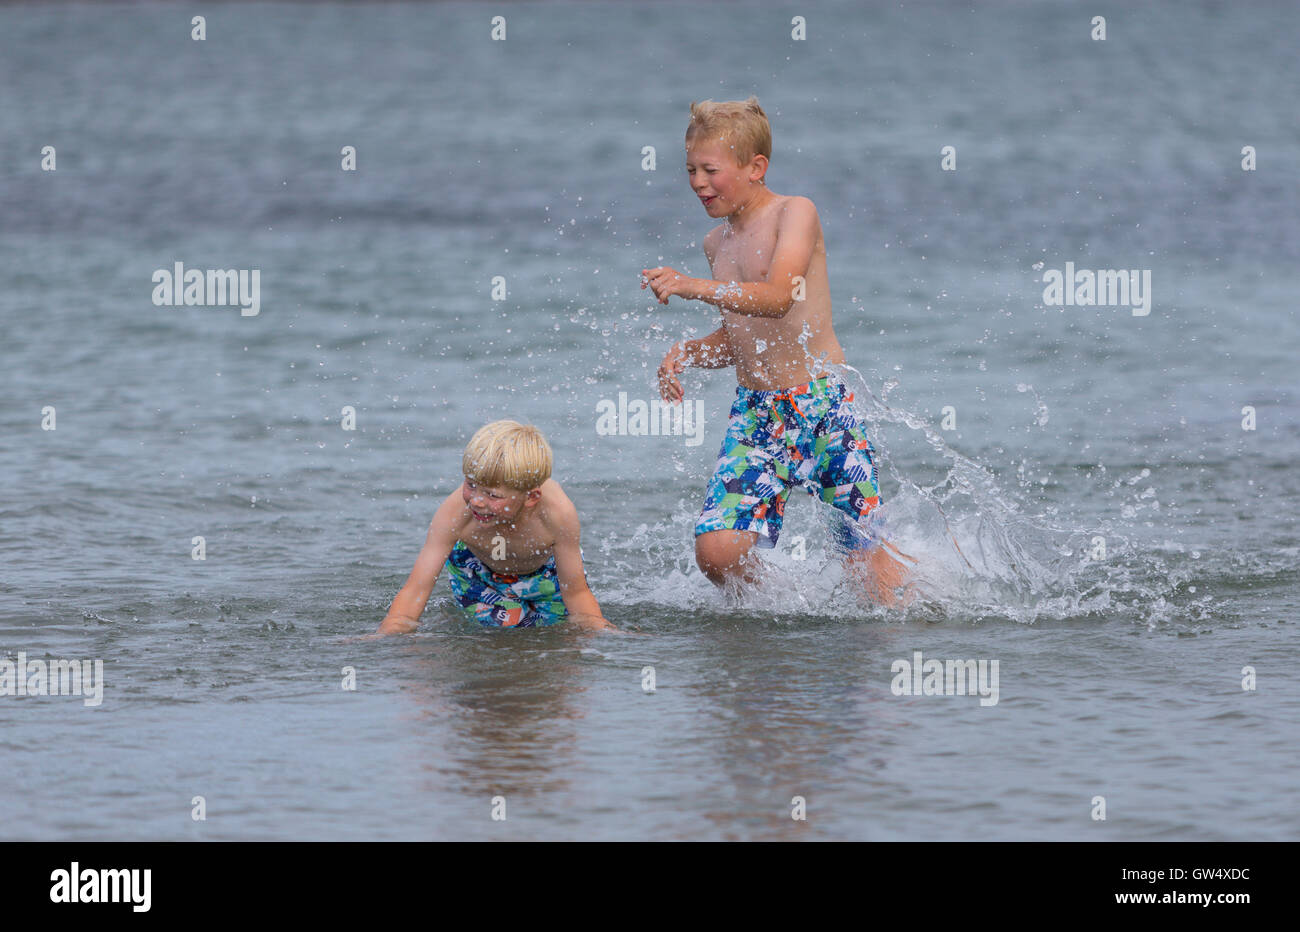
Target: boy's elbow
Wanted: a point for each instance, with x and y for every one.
(783, 307)
(783, 301)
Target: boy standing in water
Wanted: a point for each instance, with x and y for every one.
(509, 539)
(792, 423)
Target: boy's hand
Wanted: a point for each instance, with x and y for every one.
(396, 625)
(674, 363)
(591, 622)
(665, 281)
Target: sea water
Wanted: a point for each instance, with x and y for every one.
(1101, 503)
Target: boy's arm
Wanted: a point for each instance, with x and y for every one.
(711, 352)
(796, 238)
(404, 614)
(578, 600)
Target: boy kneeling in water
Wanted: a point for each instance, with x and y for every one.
(509, 538)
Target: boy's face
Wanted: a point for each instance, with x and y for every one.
(722, 185)
(496, 505)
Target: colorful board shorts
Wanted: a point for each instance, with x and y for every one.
(500, 600)
(805, 436)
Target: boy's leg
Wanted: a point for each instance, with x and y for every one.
(725, 555)
(881, 573)
(744, 503)
(845, 476)
(879, 567)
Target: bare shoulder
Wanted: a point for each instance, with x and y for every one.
(797, 224)
(452, 515)
(558, 511)
(797, 207)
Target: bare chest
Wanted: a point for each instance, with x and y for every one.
(747, 256)
(510, 550)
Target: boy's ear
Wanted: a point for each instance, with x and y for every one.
(534, 496)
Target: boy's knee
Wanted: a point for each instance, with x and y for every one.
(708, 566)
(719, 554)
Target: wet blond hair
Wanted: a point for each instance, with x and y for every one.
(510, 454)
(742, 124)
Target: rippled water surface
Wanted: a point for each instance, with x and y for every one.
(1119, 676)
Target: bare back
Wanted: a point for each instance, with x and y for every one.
(774, 353)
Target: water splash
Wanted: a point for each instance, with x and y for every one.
(983, 550)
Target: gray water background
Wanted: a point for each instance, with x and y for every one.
(523, 159)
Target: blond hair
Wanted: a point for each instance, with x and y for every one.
(740, 123)
(510, 454)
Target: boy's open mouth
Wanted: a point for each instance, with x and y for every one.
(709, 200)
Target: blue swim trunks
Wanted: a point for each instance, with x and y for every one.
(500, 600)
(805, 436)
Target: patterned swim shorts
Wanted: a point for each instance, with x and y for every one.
(805, 436)
(501, 600)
